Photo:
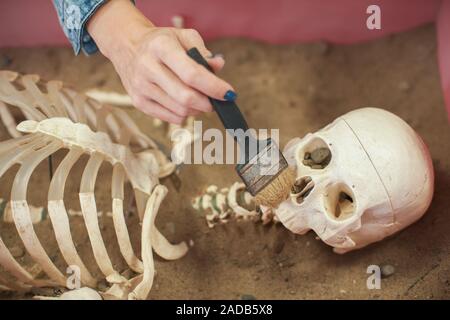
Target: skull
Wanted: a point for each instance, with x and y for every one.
(360, 179)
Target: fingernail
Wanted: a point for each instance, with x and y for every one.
(230, 95)
(215, 55)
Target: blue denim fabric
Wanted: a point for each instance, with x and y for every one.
(73, 15)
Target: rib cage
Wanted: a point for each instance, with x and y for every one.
(38, 100)
(59, 118)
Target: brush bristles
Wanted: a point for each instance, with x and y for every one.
(278, 190)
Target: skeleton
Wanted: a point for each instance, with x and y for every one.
(59, 118)
(235, 202)
(39, 214)
(76, 294)
(182, 136)
(109, 97)
(375, 179)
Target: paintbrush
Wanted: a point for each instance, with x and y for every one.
(262, 166)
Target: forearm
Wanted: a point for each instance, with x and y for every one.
(117, 26)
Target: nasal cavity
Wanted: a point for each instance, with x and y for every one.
(301, 188)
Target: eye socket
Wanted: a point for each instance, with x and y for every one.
(316, 155)
(339, 202)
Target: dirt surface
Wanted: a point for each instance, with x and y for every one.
(298, 88)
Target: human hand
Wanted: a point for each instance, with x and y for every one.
(152, 63)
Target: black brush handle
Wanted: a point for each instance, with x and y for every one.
(228, 111)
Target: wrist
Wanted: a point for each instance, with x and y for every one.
(117, 27)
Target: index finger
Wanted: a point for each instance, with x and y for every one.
(195, 75)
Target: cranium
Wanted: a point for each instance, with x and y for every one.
(375, 178)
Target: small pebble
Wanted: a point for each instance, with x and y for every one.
(404, 86)
(304, 195)
(292, 291)
(298, 186)
(387, 270)
(248, 297)
(320, 155)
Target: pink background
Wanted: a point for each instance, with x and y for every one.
(34, 22)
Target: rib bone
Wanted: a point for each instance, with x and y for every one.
(59, 118)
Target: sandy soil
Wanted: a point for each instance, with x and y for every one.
(298, 88)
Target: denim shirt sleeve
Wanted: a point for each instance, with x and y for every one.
(73, 15)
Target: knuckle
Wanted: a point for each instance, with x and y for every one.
(138, 101)
(143, 89)
(161, 40)
(191, 33)
(136, 83)
(139, 87)
(187, 98)
(190, 76)
(183, 112)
